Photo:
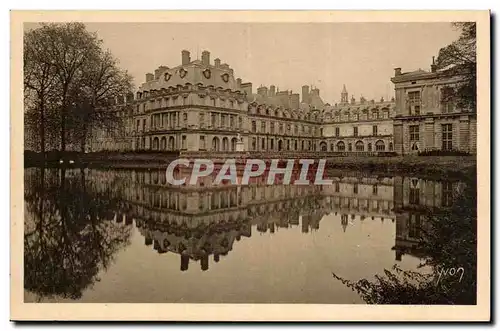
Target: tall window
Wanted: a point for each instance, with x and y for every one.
(414, 102)
(213, 119)
(360, 146)
(272, 127)
(281, 128)
(414, 226)
(202, 119)
(263, 127)
(414, 133)
(185, 118)
(240, 122)
(254, 144)
(355, 188)
(375, 130)
(375, 189)
(254, 126)
(380, 146)
(447, 194)
(414, 97)
(447, 137)
(337, 132)
(296, 129)
(223, 120)
(355, 131)
(447, 100)
(183, 142)
(232, 122)
(202, 142)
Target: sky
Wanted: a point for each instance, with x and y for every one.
(326, 55)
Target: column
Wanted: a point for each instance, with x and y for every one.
(398, 136)
(429, 142)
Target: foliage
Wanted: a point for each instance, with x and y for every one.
(448, 240)
(69, 82)
(68, 237)
(459, 60)
(438, 152)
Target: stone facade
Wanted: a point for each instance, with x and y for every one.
(362, 126)
(198, 106)
(424, 121)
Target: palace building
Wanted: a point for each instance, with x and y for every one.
(424, 120)
(362, 126)
(200, 106)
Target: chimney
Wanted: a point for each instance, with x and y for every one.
(186, 58)
(397, 71)
(353, 100)
(305, 94)
(272, 91)
(149, 77)
(205, 58)
(157, 74)
(247, 88)
(262, 91)
(130, 97)
(238, 82)
(433, 65)
(217, 62)
(294, 101)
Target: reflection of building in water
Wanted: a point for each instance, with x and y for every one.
(200, 220)
(415, 200)
(197, 221)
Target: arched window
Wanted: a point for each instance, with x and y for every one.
(360, 147)
(171, 143)
(163, 144)
(215, 144)
(233, 144)
(156, 143)
(380, 145)
(340, 146)
(323, 146)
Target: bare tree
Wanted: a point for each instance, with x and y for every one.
(67, 72)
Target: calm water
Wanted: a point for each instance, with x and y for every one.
(126, 236)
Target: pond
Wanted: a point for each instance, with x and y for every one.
(113, 236)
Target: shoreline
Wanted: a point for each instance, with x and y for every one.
(435, 166)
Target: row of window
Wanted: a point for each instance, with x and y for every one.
(182, 101)
(356, 117)
(414, 102)
(356, 131)
(446, 135)
(290, 128)
(355, 188)
(359, 146)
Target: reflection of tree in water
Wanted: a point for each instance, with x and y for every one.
(68, 235)
(448, 240)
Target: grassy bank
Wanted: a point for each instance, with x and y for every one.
(435, 166)
(446, 166)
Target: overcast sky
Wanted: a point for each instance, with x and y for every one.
(361, 55)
